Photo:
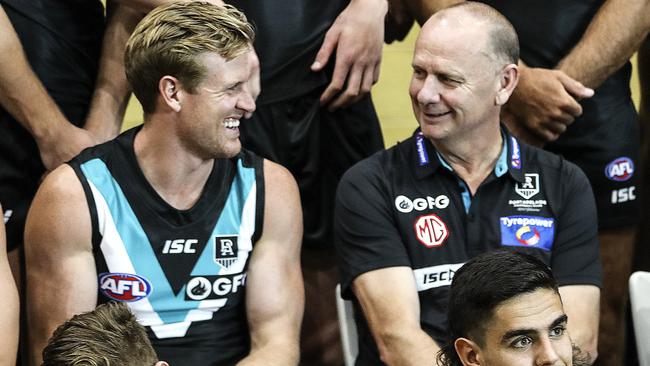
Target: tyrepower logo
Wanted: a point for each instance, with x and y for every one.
(124, 287)
(214, 287)
(406, 205)
(431, 231)
(528, 231)
(620, 169)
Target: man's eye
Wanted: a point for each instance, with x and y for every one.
(419, 73)
(522, 342)
(448, 80)
(557, 331)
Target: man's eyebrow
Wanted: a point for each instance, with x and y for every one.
(560, 319)
(531, 331)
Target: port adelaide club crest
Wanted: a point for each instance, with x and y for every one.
(225, 250)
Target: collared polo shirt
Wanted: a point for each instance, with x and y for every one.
(403, 207)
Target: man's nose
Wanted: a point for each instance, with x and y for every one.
(430, 91)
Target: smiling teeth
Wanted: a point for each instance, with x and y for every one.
(231, 123)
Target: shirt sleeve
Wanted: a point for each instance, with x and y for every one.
(576, 253)
(366, 234)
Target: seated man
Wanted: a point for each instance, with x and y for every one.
(409, 217)
(505, 310)
(198, 237)
(107, 336)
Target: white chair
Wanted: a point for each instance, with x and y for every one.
(348, 328)
(640, 301)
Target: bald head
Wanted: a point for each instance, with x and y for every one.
(484, 20)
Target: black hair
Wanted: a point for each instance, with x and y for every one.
(481, 285)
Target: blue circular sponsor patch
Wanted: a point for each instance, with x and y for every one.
(620, 169)
(125, 287)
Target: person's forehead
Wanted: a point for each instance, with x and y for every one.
(452, 40)
(535, 310)
(220, 69)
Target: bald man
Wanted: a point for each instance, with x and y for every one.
(409, 217)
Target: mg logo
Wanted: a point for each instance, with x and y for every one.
(529, 187)
(431, 231)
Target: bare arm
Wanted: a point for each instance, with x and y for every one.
(112, 92)
(358, 41)
(581, 304)
(546, 101)
(390, 303)
(25, 98)
(274, 288)
(61, 275)
(614, 34)
(9, 318)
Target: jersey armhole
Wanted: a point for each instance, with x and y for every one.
(92, 208)
(259, 201)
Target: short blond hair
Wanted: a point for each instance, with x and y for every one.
(106, 336)
(169, 40)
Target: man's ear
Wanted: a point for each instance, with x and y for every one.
(161, 363)
(468, 352)
(507, 82)
(169, 90)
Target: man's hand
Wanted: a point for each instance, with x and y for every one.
(357, 35)
(62, 144)
(546, 102)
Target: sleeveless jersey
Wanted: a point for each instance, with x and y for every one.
(182, 272)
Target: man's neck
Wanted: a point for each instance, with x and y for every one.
(472, 159)
(177, 175)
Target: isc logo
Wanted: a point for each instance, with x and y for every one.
(623, 195)
(124, 286)
(620, 169)
(177, 246)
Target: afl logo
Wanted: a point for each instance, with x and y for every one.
(125, 287)
(527, 236)
(620, 169)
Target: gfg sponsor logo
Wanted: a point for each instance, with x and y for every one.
(406, 205)
(214, 287)
(124, 287)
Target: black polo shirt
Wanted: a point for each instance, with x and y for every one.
(405, 207)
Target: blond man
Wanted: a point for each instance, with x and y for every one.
(198, 237)
(110, 335)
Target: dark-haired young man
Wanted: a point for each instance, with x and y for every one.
(505, 310)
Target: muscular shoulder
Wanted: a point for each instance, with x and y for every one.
(59, 212)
